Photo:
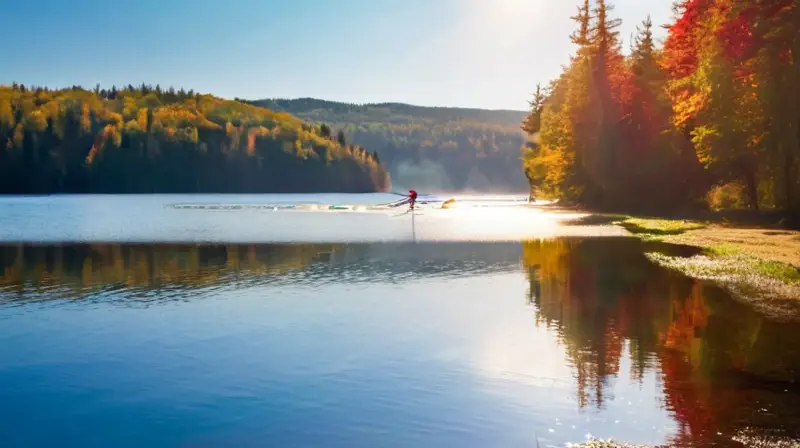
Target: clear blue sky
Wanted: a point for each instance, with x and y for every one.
(474, 53)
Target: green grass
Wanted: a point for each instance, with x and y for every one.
(727, 258)
(779, 271)
(658, 227)
(645, 227)
(596, 219)
(722, 249)
(729, 263)
(771, 287)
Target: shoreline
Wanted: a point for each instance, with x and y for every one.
(756, 264)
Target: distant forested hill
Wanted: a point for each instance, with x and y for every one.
(428, 148)
(148, 140)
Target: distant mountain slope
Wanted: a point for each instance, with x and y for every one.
(390, 112)
(427, 148)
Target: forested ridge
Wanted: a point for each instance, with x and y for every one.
(151, 140)
(429, 148)
(711, 117)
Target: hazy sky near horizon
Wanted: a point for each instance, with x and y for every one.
(471, 53)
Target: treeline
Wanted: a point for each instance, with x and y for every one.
(146, 139)
(322, 110)
(428, 148)
(712, 117)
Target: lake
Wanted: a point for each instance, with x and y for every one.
(224, 320)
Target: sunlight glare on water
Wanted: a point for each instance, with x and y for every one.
(254, 218)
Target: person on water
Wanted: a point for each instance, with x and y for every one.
(412, 198)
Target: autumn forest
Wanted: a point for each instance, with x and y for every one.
(147, 139)
(711, 117)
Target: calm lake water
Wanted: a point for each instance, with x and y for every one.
(138, 321)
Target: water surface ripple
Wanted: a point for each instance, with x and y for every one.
(457, 342)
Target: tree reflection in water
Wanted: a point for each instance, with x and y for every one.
(723, 368)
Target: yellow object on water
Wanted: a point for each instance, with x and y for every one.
(448, 203)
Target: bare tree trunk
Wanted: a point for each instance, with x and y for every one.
(788, 179)
(752, 188)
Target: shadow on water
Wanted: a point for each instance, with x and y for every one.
(723, 368)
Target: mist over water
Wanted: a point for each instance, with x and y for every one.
(427, 175)
(424, 176)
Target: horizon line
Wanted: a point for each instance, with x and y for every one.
(276, 98)
(385, 103)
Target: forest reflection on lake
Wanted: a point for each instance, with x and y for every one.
(641, 354)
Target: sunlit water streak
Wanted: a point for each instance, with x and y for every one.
(215, 218)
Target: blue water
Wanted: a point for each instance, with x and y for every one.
(403, 343)
(148, 218)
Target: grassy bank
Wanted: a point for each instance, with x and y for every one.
(758, 265)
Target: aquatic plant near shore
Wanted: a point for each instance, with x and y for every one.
(600, 443)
